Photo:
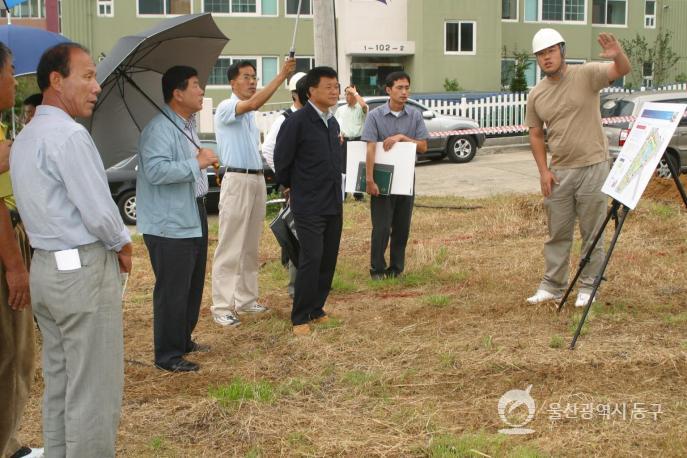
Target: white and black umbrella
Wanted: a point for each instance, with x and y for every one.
(131, 75)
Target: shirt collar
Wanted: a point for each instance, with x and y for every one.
(386, 109)
(49, 110)
(324, 115)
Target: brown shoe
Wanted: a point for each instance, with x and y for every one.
(301, 330)
(321, 320)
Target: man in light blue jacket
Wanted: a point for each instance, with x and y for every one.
(170, 192)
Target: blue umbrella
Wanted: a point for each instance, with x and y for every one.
(27, 45)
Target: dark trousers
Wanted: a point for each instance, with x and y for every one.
(179, 267)
(319, 237)
(390, 220)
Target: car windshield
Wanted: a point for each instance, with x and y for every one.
(616, 107)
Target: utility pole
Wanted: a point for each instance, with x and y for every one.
(325, 32)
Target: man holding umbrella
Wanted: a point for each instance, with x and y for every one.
(170, 188)
(242, 198)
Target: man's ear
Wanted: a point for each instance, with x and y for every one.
(56, 79)
(387, 89)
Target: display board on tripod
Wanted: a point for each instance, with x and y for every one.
(642, 151)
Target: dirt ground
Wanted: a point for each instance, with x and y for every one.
(416, 366)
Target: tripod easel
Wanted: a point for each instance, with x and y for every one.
(619, 217)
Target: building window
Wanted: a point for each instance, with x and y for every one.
(509, 10)
(460, 37)
(303, 64)
(650, 14)
(265, 67)
(31, 9)
(555, 10)
(242, 7)
(106, 8)
(164, 7)
(609, 12)
(292, 7)
(648, 74)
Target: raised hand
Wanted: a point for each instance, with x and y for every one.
(609, 45)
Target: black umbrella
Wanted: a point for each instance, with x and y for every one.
(131, 75)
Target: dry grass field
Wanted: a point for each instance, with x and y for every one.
(416, 366)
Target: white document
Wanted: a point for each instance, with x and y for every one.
(401, 156)
(68, 259)
(642, 151)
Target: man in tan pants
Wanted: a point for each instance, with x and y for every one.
(242, 196)
(567, 101)
(16, 320)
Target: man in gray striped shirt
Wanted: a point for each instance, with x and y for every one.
(81, 247)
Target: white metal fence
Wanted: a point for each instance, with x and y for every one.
(506, 109)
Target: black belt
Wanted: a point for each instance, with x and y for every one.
(201, 200)
(249, 171)
(352, 139)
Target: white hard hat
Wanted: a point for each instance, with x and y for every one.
(294, 80)
(545, 38)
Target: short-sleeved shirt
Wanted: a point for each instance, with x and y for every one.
(238, 137)
(351, 120)
(381, 124)
(6, 193)
(570, 109)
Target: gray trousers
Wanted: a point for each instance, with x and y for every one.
(79, 314)
(391, 217)
(577, 196)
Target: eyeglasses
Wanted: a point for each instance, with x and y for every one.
(250, 78)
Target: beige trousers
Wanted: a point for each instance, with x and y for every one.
(577, 196)
(241, 219)
(17, 354)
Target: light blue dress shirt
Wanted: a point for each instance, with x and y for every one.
(60, 185)
(238, 137)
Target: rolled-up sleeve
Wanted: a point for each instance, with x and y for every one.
(81, 168)
(370, 132)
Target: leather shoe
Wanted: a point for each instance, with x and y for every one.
(198, 348)
(181, 365)
(321, 320)
(301, 330)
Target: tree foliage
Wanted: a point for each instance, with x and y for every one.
(660, 55)
(518, 82)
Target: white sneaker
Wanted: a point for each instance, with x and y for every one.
(253, 308)
(35, 453)
(582, 299)
(542, 296)
(227, 319)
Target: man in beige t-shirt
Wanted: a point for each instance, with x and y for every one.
(567, 102)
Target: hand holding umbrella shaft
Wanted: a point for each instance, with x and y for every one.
(206, 157)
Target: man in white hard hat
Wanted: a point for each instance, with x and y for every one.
(567, 102)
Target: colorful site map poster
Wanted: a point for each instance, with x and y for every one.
(643, 149)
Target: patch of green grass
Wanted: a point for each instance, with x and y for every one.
(575, 322)
(466, 445)
(683, 345)
(437, 300)
(299, 444)
(368, 383)
(254, 452)
(488, 343)
(342, 284)
(292, 386)
(332, 323)
(241, 390)
(663, 211)
(676, 319)
(556, 342)
(478, 445)
(441, 256)
(448, 360)
(157, 444)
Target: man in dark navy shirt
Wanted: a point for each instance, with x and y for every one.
(307, 160)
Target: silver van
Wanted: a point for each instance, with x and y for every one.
(622, 104)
